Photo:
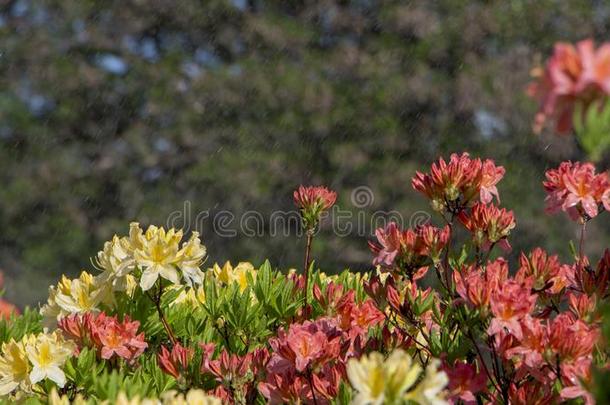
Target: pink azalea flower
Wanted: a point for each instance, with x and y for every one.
(308, 359)
(176, 361)
(573, 74)
(492, 174)
(475, 284)
(509, 304)
(548, 275)
(488, 225)
(572, 338)
(584, 279)
(465, 382)
(577, 189)
(532, 392)
(312, 202)
(311, 197)
(410, 251)
(388, 245)
(531, 346)
(455, 184)
(575, 376)
(106, 334)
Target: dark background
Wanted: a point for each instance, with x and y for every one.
(113, 111)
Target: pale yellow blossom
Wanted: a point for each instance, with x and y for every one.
(193, 297)
(83, 294)
(430, 391)
(238, 274)
(47, 353)
(14, 367)
(382, 381)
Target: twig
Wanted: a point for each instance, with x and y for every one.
(476, 347)
(307, 259)
(582, 239)
(157, 301)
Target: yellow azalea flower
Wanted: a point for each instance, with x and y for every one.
(190, 257)
(83, 294)
(116, 262)
(14, 367)
(192, 397)
(158, 256)
(430, 391)
(156, 252)
(227, 274)
(48, 353)
(193, 297)
(382, 381)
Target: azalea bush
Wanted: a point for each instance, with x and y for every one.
(440, 317)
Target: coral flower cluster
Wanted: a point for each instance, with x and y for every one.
(573, 74)
(577, 189)
(410, 250)
(454, 184)
(106, 334)
(313, 201)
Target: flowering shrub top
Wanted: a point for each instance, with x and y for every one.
(440, 318)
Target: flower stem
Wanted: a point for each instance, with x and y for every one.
(581, 243)
(157, 301)
(310, 380)
(307, 260)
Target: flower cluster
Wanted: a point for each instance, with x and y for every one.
(308, 362)
(397, 378)
(106, 334)
(34, 358)
(455, 184)
(408, 250)
(577, 189)
(313, 201)
(239, 274)
(83, 294)
(573, 74)
(488, 225)
(151, 254)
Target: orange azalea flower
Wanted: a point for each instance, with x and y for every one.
(106, 334)
(576, 189)
(573, 74)
(510, 303)
(313, 201)
(174, 362)
(488, 225)
(455, 184)
(549, 276)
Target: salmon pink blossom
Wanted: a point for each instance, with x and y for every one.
(488, 225)
(573, 74)
(510, 303)
(455, 184)
(577, 189)
(464, 382)
(106, 334)
(176, 361)
(409, 251)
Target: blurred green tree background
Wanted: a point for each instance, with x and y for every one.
(114, 111)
